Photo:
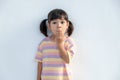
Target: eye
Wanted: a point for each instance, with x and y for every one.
(62, 22)
(54, 22)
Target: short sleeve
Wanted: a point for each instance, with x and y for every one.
(38, 56)
(70, 47)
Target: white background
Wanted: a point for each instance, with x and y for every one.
(96, 34)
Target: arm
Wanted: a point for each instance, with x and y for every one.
(39, 70)
(60, 39)
(64, 54)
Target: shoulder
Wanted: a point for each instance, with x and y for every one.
(70, 40)
(43, 41)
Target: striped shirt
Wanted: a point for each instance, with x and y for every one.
(53, 66)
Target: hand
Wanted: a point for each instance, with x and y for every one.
(60, 37)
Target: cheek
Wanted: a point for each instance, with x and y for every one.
(53, 30)
(65, 28)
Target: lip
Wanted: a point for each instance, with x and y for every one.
(59, 30)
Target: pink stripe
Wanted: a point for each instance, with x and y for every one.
(56, 71)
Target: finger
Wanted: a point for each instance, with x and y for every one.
(58, 33)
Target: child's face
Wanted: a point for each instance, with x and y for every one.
(58, 25)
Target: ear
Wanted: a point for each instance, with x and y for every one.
(68, 24)
(48, 26)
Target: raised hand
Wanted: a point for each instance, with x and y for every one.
(60, 36)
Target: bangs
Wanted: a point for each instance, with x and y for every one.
(57, 14)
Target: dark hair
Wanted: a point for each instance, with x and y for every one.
(56, 14)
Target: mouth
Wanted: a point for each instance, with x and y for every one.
(59, 29)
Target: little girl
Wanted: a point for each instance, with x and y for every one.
(55, 51)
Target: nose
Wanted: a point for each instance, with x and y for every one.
(59, 25)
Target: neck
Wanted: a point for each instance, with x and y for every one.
(52, 37)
